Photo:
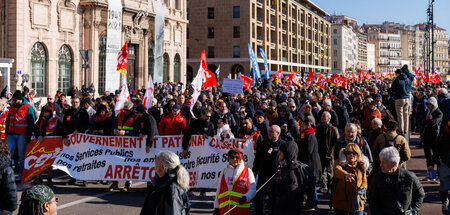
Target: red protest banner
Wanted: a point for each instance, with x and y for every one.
(40, 156)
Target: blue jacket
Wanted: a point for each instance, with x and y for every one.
(401, 87)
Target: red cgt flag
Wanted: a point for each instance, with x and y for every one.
(247, 81)
(210, 77)
(122, 59)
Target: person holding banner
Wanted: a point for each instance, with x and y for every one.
(203, 126)
(48, 124)
(237, 186)
(167, 194)
(101, 122)
(173, 123)
(125, 125)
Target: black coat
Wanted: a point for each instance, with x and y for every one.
(292, 124)
(334, 117)
(198, 126)
(166, 197)
(388, 191)
(431, 126)
(75, 119)
(8, 197)
(308, 153)
(104, 125)
(401, 87)
(147, 126)
(266, 158)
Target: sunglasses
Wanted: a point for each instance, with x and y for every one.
(209, 116)
(56, 200)
(351, 153)
(291, 106)
(234, 157)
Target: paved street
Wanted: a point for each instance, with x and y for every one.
(97, 199)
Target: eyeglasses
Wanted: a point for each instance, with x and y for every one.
(49, 98)
(291, 106)
(208, 116)
(56, 200)
(351, 153)
(234, 157)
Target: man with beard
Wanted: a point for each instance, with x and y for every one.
(327, 135)
(221, 113)
(19, 127)
(202, 126)
(76, 119)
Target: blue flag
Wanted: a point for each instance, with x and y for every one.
(253, 76)
(266, 66)
(254, 61)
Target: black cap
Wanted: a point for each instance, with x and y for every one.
(17, 95)
(259, 113)
(176, 107)
(140, 108)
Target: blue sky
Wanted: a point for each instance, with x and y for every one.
(377, 11)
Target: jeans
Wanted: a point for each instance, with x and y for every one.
(16, 140)
(402, 109)
(341, 212)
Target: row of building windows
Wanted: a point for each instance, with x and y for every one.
(39, 61)
(236, 12)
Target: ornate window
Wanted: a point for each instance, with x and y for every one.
(102, 66)
(166, 67)
(38, 69)
(176, 68)
(64, 69)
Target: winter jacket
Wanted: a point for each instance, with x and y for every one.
(147, 126)
(361, 142)
(272, 116)
(288, 188)
(392, 193)
(443, 147)
(400, 143)
(166, 197)
(75, 119)
(344, 192)
(343, 117)
(233, 173)
(198, 126)
(308, 153)
(216, 116)
(102, 124)
(224, 133)
(327, 135)
(369, 115)
(401, 87)
(8, 197)
(172, 125)
(292, 124)
(31, 117)
(263, 128)
(266, 158)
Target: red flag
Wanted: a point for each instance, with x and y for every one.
(354, 78)
(437, 78)
(247, 81)
(319, 78)
(203, 59)
(210, 79)
(293, 78)
(361, 75)
(368, 76)
(122, 59)
(310, 78)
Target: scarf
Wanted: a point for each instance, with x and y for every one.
(309, 130)
(99, 119)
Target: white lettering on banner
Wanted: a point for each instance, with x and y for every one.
(91, 157)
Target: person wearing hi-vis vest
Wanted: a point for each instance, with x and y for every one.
(125, 125)
(237, 186)
(48, 124)
(3, 114)
(19, 127)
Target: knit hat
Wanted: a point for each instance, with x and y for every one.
(259, 113)
(140, 108)
(41, 193)
(17, 95)
(433, 101)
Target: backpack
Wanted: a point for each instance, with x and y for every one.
(389, 143)
(307, 186)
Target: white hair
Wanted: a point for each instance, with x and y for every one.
(391, 154)
(128, 104)
(443, 91)
(351, 125)
(327, 113)
(378, 122)
(327, 102)
(171, 161)
(276, 128)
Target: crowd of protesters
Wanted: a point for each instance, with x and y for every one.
(354, 140)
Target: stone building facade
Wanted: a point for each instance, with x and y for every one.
(44, 37)
(294, 35)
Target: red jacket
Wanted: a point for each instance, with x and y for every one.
(172, 125)
(369, 115)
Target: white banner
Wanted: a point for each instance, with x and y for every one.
(113, 44)
(91, 157)
(159, 41)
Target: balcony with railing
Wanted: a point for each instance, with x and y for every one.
(259, 3)
(259, 21)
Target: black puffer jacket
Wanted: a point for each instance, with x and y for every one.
(166, 197)
(8, 194)
(292, 124)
